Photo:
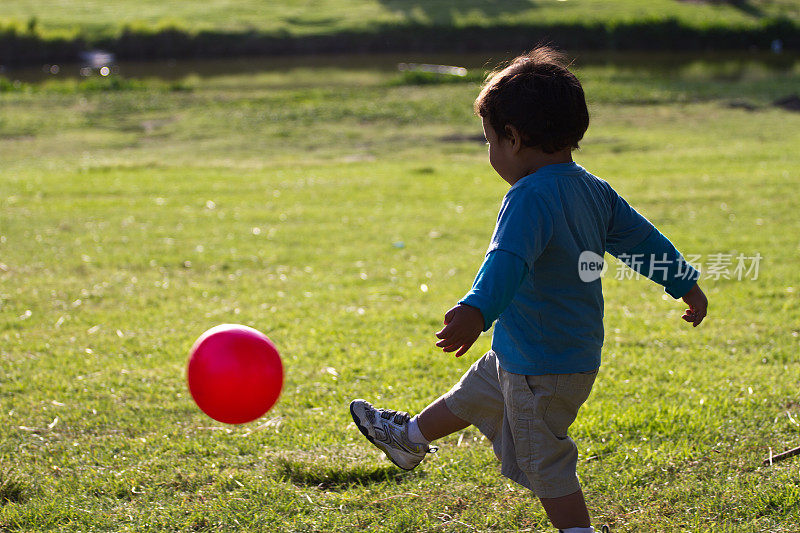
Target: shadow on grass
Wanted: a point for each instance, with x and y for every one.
(747, 7)
(334, 474)
(12, 488)
(446, 11)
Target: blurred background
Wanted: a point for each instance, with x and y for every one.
(314, 169)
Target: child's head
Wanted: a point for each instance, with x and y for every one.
(540, 98)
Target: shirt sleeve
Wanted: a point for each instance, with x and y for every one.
(524, 226)
(494, 287)
(626, 228)
(632, 239)
(658, 259)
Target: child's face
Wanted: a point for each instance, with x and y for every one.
(501, 156)
(512, 160)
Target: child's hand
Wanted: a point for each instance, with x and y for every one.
(463, 325)
(698, 305)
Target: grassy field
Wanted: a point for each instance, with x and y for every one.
(55, 31)
(342, 212)
(327, 16)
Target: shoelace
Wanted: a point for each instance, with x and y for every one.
(400, 417)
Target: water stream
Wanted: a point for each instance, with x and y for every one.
(730, 64)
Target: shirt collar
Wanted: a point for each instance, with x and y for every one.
(557, 168)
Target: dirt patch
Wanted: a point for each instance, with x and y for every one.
(742, 104)
(788, 103)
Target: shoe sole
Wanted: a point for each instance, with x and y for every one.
(364, 432)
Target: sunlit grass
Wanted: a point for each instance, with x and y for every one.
(131, 221)
(334, 15)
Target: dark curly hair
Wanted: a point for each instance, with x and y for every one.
(538, 95)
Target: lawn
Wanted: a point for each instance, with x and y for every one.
(43, 32)
(301, 17)
(341, 212)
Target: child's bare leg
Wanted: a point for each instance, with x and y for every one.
(567, 511)
(437, 421)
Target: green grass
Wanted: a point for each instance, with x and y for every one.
(132, 220)
(300, 17)
(57, 32)
(12, 488)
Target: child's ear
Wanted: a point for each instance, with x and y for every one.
(513, 135)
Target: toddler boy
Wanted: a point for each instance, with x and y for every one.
(526, 391)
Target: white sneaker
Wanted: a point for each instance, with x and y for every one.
(388, 430)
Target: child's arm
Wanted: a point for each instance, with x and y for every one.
(658, 259)
(636, 242)
(494, 287)
(524, 227)
(698, 305)
(463, 325)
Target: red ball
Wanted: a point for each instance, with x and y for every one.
(235, 373)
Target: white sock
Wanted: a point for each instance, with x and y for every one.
(589, 529)
(415, 434)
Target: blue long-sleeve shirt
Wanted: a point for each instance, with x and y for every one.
(549, 320)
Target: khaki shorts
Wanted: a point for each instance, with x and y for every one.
(526, 418)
